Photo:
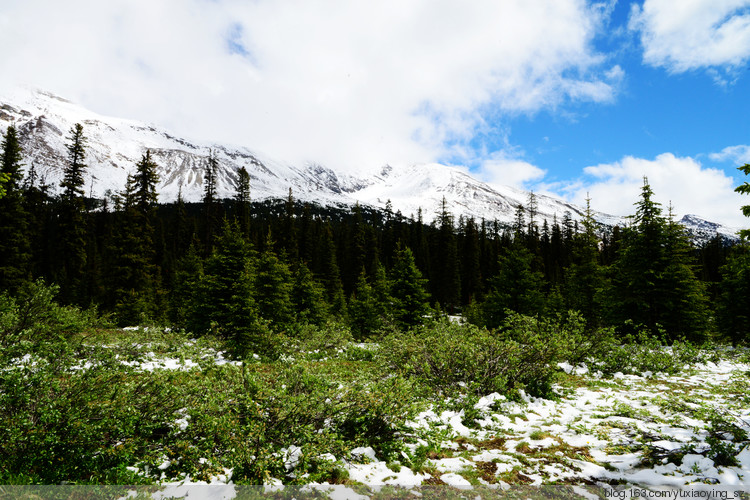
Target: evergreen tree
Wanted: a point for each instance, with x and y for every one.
(471, 281)
(331, 276)
(652, 281)
(273, 287)
(15, 241)
(308, 297)
(446, 276)
(744, 188)
(368, 306)
(209, 199)
(733, 308)
(585, 276)
(136, 277)
(733, 315)
(242, 199)
(72, 266)
(517, 287)
(408, 290)
(223, 302)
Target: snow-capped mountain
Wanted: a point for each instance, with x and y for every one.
(115, 145)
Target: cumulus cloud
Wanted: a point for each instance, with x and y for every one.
(693, 34)
(684, 182)
(503, 170)
(340, 82)
(738, 155)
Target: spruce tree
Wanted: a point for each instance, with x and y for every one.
(411, 302)
(15, 241)
(585, 277)
(733, 314)
(242, 199)
(744, 188)
(273, 287)
(72, 240)
(653, 284)
(308, 297)
(369, 304)
(446, 272)
(136, 276)
(209, 200)
(517, 287)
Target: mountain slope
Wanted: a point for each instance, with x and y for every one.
(115, 146)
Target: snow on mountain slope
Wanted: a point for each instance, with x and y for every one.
(115, 146)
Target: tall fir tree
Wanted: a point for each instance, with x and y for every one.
(411, 302)
(15, 240)
(242, 200)
(72, 239)
(136, 275)
(211, 170)
(585, 277)
(653, 284)
(273, 287)
(517, 287)
(446, 272)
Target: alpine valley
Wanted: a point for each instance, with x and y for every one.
(115, 145)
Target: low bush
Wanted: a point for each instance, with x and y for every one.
(454, 358)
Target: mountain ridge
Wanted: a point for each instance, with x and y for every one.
(115, 145)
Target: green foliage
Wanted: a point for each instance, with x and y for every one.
(744, 188)
(33, 320)
(733, 313)
(369, 304)
(652, 280)
(517, 287)
(643, 351)
(308, 297)
(408, 290)
(273, 288)
(453, 358)
(15, 241)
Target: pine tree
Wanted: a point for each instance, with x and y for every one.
(733, 314)
(136, 276)
(408, 289)
(585, 277)
(222, 301)
(653, 284)
(273, 287)
(744, 188)
(331, 275)
(242, 199)
(446, 276)
(733, 307)
(72, 269)
(517, 287)
(308, 297)
(15, 241)
(368, 306)
(209, 199)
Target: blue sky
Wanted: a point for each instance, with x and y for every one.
(567, 97)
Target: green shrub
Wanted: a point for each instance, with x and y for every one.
(455, 358)
(646, 352)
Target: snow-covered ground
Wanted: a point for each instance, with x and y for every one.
(686, 432)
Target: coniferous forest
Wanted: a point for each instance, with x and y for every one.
(266, 282)
(142, 261)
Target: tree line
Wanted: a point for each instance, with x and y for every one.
(246, 270)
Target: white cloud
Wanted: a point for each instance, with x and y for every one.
(340, 82)
(693, 34)
(738, 155)
(688, 185)
(502, 170)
